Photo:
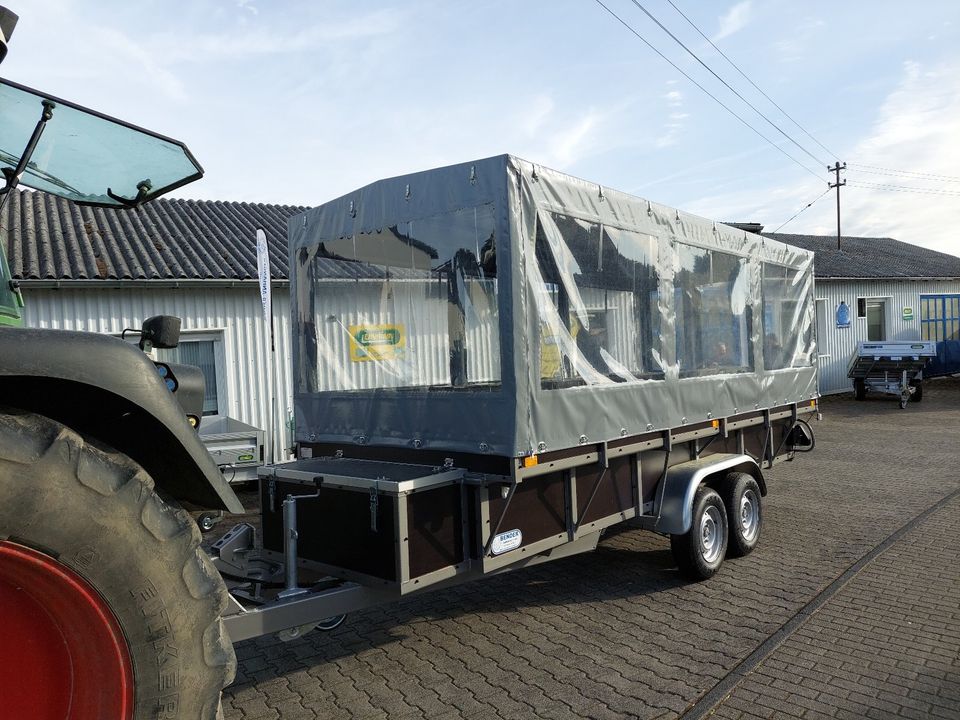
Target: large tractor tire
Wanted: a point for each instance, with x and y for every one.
(110, 610)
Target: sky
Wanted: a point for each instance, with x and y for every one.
(298, 102)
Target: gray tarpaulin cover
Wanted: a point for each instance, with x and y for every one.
(501, 307)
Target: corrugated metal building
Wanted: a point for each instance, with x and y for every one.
(891, 290)
(103, 270)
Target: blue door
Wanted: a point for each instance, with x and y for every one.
(940, 321)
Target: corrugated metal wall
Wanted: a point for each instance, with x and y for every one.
(235, 314)
(835, 345)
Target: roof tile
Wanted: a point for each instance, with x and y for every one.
(872, 258)
(50, 238)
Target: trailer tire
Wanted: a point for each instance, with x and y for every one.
(741, 496)
(859, 389)
(699, 552)
(917, 395)
(86, 519)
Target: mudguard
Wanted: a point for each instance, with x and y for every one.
(675, 495)
(108, 389)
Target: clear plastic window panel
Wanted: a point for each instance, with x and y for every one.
(714, 318)
(597, 298)
(787, 340)
(413, 305)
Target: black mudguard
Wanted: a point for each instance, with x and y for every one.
(108, 389)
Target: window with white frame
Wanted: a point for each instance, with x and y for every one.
(205, 351)
(822, 319)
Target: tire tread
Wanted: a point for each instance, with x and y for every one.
(30, 441)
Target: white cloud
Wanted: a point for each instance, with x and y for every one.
(252, 40)
(671, 128)
(136, 61)
(918, 130)
(734, 20)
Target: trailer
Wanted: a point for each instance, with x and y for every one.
(494, 363)
(890, 368)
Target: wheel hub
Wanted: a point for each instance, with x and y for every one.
(710, 542)
(64, 655)
(749, 516)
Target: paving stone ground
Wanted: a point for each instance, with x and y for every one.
(617, 634)
(885, 645)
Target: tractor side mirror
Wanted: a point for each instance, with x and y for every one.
(160, 331)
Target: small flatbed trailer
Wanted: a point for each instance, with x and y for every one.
(891, 368)
(495, 362)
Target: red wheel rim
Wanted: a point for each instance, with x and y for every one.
(62, 653)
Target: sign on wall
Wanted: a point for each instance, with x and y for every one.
(843, 315)
(908, 313)
(376, 342)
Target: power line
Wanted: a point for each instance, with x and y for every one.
(737, 68)
(714, 97)
(904, 188)
(809, 204)
(872, 170)
(726, 84)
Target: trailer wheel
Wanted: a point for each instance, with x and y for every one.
(741, 496)
(700, 551)
(859, 389)
(110, 609)
(917, 391)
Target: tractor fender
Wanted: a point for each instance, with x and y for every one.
(111, 391)
(674, 507)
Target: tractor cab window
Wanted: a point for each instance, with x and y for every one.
(88, 157)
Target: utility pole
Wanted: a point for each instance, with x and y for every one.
(837, 167)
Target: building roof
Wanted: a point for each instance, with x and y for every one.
(872, 258)
(50, 238)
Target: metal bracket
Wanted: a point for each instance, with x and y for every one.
(143, 189)
(767, 440)
(496, 528)
(374, 504)
(272, 492)
(593, 494)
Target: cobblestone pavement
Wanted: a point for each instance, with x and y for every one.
(616, 633)
(886, 645)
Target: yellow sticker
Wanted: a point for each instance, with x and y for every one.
(376, 342)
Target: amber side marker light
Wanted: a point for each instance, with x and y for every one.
(530, 461)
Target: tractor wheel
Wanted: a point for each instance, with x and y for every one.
(110, 609)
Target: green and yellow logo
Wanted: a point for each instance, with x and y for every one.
(376, 342)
